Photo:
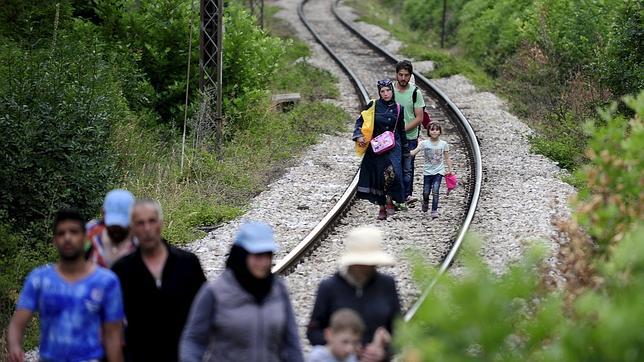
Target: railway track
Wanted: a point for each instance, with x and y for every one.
(364, 62)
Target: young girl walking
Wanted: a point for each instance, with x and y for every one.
(436, 156)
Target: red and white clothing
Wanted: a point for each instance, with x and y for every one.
(103, 252)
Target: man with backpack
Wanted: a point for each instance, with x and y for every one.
(411, 98)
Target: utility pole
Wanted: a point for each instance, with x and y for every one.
(210, 61)
(257, 6)
(443, 24)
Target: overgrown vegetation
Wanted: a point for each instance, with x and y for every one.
(91, 98)
(418, 44)
(597, 316)
(556, 61)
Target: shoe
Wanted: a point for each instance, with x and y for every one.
(382, 215)
(410, 199)
(434, 214)
(425, 206)
(390, 209)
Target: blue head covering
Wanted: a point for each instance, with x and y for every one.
(117, 208)
(256, 237)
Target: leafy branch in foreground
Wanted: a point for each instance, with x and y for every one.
(597, 316)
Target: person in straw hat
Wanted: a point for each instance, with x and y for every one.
(359, 286)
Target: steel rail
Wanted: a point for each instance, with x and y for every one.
(293, 257)
(475, 155)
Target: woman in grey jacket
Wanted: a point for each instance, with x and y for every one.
(245, 314)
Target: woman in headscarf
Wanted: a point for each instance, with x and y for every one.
(359, 286)
(245, 314)
(381, 175)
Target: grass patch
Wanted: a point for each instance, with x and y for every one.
(297, 74)
(214, 189)
(421, 46)
(560, 138)
(312, 83)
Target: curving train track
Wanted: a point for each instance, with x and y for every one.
(364, 62)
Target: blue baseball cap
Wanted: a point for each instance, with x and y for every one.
(256, 238)
(117, 208)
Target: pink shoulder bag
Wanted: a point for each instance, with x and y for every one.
(386, 140)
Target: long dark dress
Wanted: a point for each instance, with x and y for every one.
(382, 175)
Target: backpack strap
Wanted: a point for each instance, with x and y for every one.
(397, 115)
(414, 97)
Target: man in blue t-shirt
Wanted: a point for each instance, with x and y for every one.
(79, 303)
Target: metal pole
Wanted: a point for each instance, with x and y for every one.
(443, 24)
(210, 61)
(259, 6)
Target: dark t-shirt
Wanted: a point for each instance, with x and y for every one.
(377, 304)
(156, 316)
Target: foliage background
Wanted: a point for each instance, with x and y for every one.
(91, 98)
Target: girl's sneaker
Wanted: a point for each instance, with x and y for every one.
(434, 214)
(382, 215)
(425, 206)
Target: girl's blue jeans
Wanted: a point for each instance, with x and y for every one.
(432, 183)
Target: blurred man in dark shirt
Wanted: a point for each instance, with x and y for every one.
(159, 282)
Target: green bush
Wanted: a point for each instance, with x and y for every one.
(490, 31)
(427, 16)
(565, 147)
(56, 110)
(484, 317)
(614, 176)
(157, 34)
(249, 64)
(18, 256)
(481, 316)
(607, 322)
(513, 317)
(417, 45)
(572, 31)
(621, 62)
(32, 22)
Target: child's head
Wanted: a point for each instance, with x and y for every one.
(344, 333)
(434, 126)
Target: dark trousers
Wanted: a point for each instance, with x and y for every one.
(408, 168)
(432, 183)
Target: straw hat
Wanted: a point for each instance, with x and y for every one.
(363, 246)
